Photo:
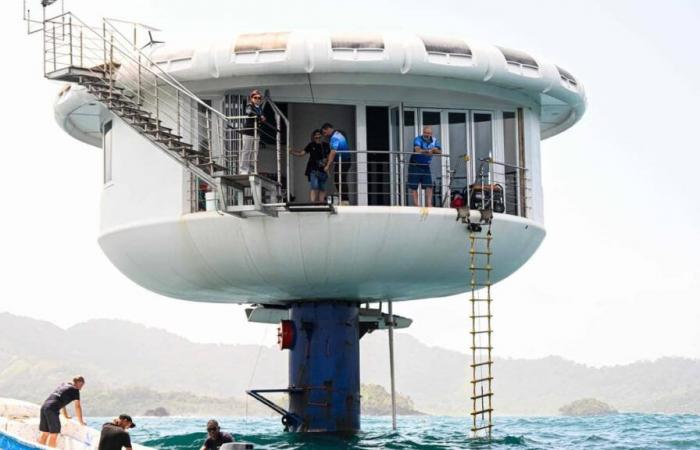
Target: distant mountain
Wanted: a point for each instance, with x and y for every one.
(113, 355)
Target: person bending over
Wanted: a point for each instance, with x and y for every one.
(49, 421)
(114, 435)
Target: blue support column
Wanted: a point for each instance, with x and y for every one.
(324, 364)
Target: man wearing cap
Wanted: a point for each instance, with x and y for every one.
(114, 435)
(215, 437)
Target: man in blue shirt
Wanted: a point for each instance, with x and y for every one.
(340, 152)
(424, 147)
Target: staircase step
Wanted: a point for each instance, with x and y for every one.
(177, 146)
(102, 83)
(131, 109)
(106, 93)
(212, 166)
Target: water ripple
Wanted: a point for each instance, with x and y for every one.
(622, 431)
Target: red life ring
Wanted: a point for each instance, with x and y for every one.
(285, 334)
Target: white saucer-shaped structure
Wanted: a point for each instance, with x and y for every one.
(380, 89)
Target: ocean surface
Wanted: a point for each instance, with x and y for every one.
(622, 431)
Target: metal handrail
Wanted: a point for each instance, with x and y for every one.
(381, 180)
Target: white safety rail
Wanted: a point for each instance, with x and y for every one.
(111, 63)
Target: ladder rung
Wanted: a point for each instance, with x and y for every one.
(485, 363)
(482, 348)
(474, 252)
(481, 238)
(479, 380)
(476, 397)
(476, 413)
(482, 316)
(481, 332)
(482, 428)
(478, 299)
(473, 283)
(480, 268)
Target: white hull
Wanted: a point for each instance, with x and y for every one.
(360, 253)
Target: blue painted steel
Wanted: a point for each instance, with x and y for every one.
(8, 442)
(324, 362)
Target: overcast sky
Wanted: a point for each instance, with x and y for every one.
(616, 279)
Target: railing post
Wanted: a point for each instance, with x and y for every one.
(278, 139)
(111, 63)
(340, 180)
(207, 114)
(70, 40)
(287, 158)
(53, 36)
(256, 144)
(155, 83)
(138, 89)
(104, 44)
(44, 31)
(492, 180)
(177, 97)
(402, 175)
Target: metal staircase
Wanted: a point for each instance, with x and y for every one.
(117, 71)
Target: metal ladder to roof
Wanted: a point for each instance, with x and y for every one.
(116, 70)
(482, 359)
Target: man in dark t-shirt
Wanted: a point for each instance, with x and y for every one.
(216, 438)
(114, 435)
(49, 421)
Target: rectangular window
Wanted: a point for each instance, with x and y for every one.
(482, 132)
(357, 47)
(107, 151)
(510, 151)
(457, 133)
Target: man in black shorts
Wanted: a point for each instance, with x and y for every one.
(216, 438)
(114, 435)
(49, 422)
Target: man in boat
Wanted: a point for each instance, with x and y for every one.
(215, 437)
(49, 422)
(424, 147)
(114, 435)
(340, 152)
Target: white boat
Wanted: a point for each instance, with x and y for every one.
(19, 429)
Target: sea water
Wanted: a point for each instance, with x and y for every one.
(621, 431)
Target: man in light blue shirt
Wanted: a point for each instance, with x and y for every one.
(424, 147)
(340, 152)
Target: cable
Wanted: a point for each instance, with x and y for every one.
(308, 77)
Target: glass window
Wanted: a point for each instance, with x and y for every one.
(483, 144)
(457, 133)
(510, 151)
(432, 119)
(107, 150)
